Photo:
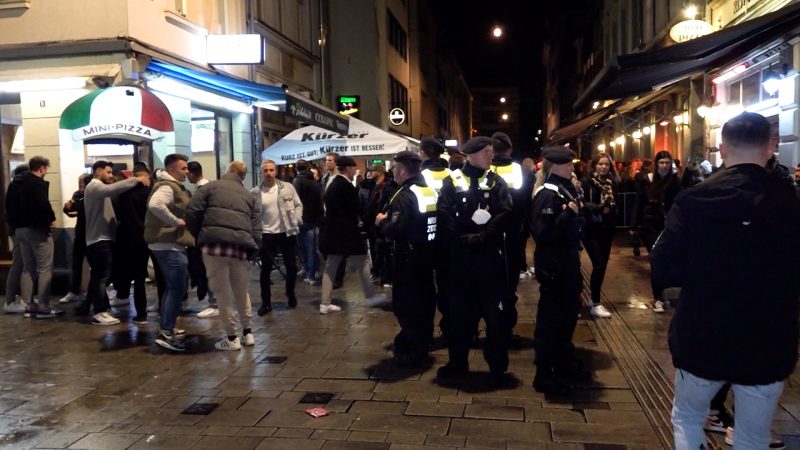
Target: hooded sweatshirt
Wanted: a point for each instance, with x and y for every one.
(28, 203)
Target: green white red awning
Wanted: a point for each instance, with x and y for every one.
(124, 113)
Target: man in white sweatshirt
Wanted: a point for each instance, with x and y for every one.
(101, 229)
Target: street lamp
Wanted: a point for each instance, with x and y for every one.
(504, 116)
(690, 12)
(502, 99)
(497, 32)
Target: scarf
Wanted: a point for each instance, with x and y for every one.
(606, 189)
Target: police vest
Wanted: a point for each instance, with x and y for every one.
(434, 178)
(550, 187)
(423, 224)
(512, 174)
(461, 182)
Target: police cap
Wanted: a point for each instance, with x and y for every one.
(558, 154)
(476, 144)
(407, 156)
(432, 144)
(502, 138)
(345, 161)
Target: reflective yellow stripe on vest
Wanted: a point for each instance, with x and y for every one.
(462, 184)
(512, 174)
(426, 198)
(549, 186)
(434, 178)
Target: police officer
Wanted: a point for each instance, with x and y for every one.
(435, 170)
(411, 224)
(474, 206)
(520, 186)
(557, 229)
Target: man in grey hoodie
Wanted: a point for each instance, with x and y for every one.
(101, 230)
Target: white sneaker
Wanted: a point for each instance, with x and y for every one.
(16, 307)
(531, 271)
(249, 339)
(70, 297)
(387, 285)
(599, 311)
(104, 319)
(208, 313)
(658, 306)
(376, 300)
(115, 302)
(227, 344)
(524, 275)
(325, 309)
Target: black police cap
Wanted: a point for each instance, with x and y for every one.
(558, 154)
(502, 138)
(429, 143)
(476, 144)
(407, 156)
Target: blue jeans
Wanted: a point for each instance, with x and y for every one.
(307, 247)
(754, 406)
(174, 268)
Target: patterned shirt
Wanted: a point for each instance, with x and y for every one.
(225, 250)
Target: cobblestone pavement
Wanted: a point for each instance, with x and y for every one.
(67, 384)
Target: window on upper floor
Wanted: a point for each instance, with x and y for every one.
(291, 18)
(396, 34)
(398, 95)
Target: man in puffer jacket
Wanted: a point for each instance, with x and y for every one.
(226, 221)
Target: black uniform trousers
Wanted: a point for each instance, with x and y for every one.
(479, 290)
(514, 246)
(413, 302)
(557, 315)
(441, 267)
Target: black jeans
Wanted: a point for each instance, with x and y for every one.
(133, 267)
(597, 243)
(100, 257)
(78, 253)
(197, 271)
(270, 244)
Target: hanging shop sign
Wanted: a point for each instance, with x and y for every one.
(235, 49)
(349, 105)
(303, 110)
(397, 116)
(123, 113)
(689, 29)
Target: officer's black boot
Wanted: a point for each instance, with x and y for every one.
(548, 383)
(573, 370)
(451, 370)
(265, 308)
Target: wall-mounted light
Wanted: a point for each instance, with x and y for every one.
(595, 105)
(601, 147)
(771, 82)
(620, 140)
(637, 134)
(678, 118)
(664, 123)
(646, 131)
(690, 12)
(703, 110)
(504, 117)
(502, 99)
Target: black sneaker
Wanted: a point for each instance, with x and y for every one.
(546, 382)
(170, 342)
(718, 421)
(293, 302)
(49, 313)
(264, 309)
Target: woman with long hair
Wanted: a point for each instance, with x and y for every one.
(652, 205)
(600, 189)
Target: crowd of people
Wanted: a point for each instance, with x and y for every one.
(452, 236)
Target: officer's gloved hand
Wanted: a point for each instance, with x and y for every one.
(472, 241)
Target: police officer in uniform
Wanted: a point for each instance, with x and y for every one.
(411, 224)
(474, 206)
(520, 186)
(435, 170)
(557, 228)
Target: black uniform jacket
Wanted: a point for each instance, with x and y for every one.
(557, 230)
(732, 244)
(405, 224)
(455, 210)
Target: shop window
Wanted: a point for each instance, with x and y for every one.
(751, 89)
(734, 93)
(396, 34)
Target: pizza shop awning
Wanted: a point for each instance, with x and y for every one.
(637, 73)
(311, 142)
(120, 114)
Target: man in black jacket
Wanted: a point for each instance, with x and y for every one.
(28, 208)
(12, 305)
(310, 193)
(736, 318)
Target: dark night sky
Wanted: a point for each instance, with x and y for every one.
(516, 58)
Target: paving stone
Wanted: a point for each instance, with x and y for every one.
(330, 435)
(614, 433)
(435, 409)
(485, 442)
(287, 443)
(495, 412)
(389, 397)
(520, 431)
(61, 440)
(538, 414)
(405, 438)
(295, 419)
(186, 430)
(228, 443)
(611, 417)
(445, 441)
(220, 430)
(378, 407)
(126, 428)
(239, 418)
(313, 385)
(106, 441)
(339, 405)
(367, 436)
(408, 424)
(256, 431)
(418, 447)
(161, 441)
(297, 433)
(355, 445)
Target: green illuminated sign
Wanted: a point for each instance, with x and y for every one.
(348, 99)
(349, 105)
